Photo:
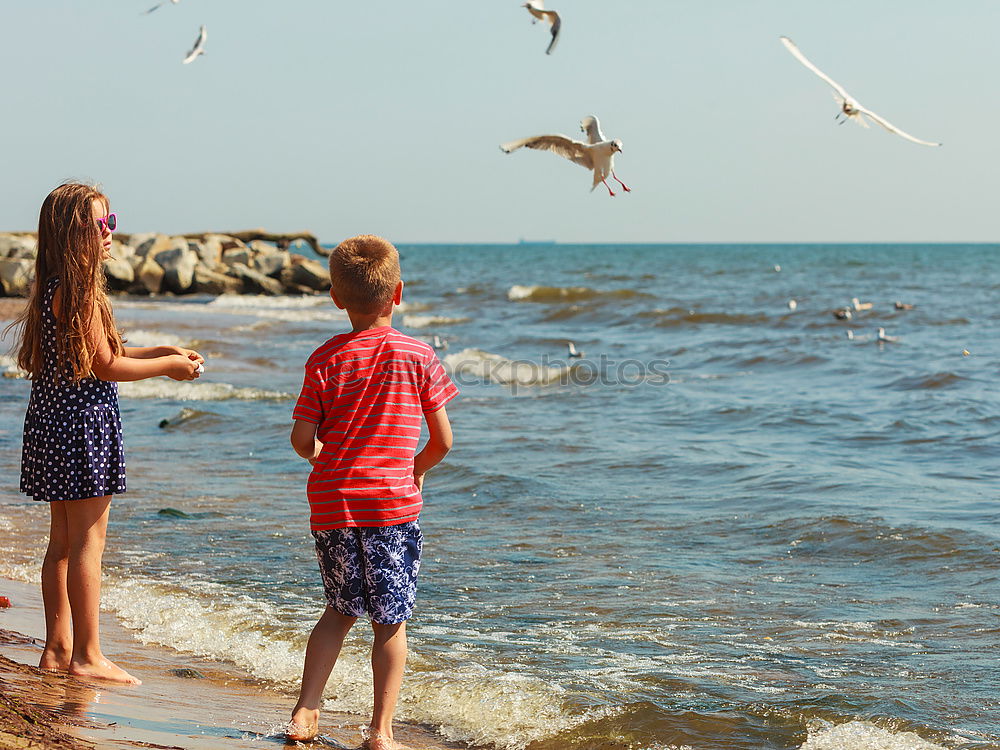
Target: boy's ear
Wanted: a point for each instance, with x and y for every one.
(337, 302)
(397, 296)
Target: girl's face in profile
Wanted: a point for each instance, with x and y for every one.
(100, 212)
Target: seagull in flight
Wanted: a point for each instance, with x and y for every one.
(537, 9)
(850, 108)
(597, 154)
(159, 4)
(199, 46)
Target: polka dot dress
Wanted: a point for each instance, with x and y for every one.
(73, 445)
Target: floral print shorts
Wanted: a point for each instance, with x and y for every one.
(371, 570)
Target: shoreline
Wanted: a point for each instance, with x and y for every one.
(184, 702)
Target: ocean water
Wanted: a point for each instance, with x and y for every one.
(726, 525)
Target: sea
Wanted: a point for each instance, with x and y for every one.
(733, 521)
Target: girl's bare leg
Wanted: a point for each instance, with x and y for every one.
(321, 654)
(388, 663)
(58, 623)
(87, 526)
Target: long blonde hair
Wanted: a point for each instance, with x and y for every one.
(70, 248)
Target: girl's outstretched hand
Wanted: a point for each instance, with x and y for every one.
(190, 354)
(181, 367)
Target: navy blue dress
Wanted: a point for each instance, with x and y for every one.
(73, 445)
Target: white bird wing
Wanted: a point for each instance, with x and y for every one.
(797, 53)
(893, 129)
(592, 127)
(197, 48)
(556, 22)
(564, 146)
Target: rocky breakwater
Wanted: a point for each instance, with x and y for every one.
(183, 264)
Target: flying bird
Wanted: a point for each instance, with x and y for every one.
(199, 46)
(537, 9)
(159, 4)
(572, 351)
(850, 108)
(598, 154)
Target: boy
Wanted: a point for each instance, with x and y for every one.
(357, 421)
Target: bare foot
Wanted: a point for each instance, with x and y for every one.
(102, 669)
(55, 660)
(376, 740)
(304, 725)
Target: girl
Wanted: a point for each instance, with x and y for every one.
(73, 454)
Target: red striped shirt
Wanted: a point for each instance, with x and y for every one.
(367, 392)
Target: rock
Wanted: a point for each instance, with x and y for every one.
(17, 246)
(119, 273)
(297, 289)
(143, 243)
(254, 282)
(121, 250)
(282, 241)
(187, 672)
(178, 264)
(229, 242)
(241, 255)
(207, 281)
(156, 244)
(16, 275)
(148, 276)
(271, 263)
(209, 250)
(308, 273)
(259, 246)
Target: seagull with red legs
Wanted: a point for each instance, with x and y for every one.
(597, 154)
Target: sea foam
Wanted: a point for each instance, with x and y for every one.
(425, 321)
(175, 390)
(862, 735)
(467, 701)
(493, 368)
(525, 293)
(142, 337)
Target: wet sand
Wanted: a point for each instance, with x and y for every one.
(184, 702)
(10, 307)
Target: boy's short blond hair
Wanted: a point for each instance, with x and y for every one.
(364, 272)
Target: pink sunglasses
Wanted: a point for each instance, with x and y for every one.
(110, 221)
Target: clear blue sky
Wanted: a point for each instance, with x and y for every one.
(348, 117)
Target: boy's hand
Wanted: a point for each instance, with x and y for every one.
(317, 449)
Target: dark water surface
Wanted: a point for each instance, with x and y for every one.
(727, 525)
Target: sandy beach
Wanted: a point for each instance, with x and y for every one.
(10, 307)
(184, 702)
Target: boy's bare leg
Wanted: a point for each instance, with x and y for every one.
(388, 662)
(87, 526)
(58, 622)
(321, 654)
